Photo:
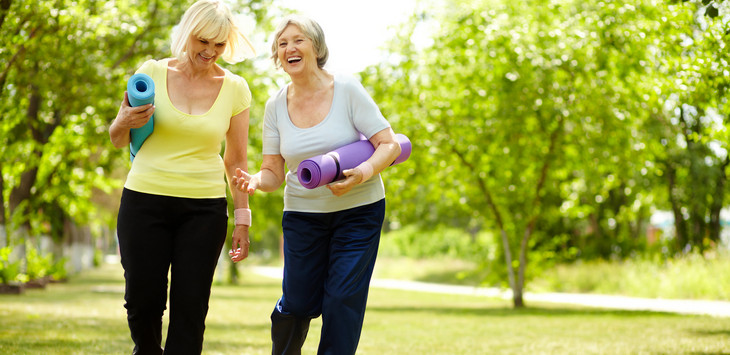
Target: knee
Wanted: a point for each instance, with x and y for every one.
(300, 307)
(340, 302)
(145, 301)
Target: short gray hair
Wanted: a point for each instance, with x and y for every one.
(311, 29)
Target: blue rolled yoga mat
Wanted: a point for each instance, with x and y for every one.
(140, 91)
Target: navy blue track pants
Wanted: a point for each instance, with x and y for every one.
(184, 236)
(328, 263)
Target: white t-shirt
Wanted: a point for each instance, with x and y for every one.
(353, 112)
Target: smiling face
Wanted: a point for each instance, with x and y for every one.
(295, 51)
(203, 52)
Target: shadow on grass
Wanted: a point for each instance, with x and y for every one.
(228, 326)
(720, 332)
(243, 297)
(456, 277)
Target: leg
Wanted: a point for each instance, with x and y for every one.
(144, 240)
(305, 259)
(352, 258)
(202, 229)
(288, 332)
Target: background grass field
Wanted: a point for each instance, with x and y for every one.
(86, 316)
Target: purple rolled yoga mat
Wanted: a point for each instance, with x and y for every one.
(326, 168)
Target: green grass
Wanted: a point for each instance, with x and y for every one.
(86, 316)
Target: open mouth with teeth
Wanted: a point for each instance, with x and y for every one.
(293, 60)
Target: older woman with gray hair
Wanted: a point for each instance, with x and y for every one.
(173, 215)
(331, 233)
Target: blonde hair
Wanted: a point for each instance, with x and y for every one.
(211, 20)
(311, 29)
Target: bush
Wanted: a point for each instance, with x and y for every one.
(414, 242)
(37, 267)
(58, 270)
(692, 276)
(9, 271)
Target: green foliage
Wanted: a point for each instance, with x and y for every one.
(37, 266)
(63, 71)
(98, 258)
(691, 150)
(441, 242)
(550, 111)
(58, 270)
(9, 270)
(55, 124)
(561, 125)
(693, 276)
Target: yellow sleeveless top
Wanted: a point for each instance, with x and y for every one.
(181, 157)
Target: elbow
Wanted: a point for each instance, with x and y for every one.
(118, 143)
(233, 164)
(118, 137)
(395, 150)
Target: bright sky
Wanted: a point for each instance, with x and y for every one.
(355, 31)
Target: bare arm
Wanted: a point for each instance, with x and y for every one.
(268, 179)
(128, 117)
(235, 158)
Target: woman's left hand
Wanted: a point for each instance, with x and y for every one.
(352, 178)
(240, 243)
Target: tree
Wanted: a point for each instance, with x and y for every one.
(58, 61)
(521, 113)
(63, 70)
(692, 89)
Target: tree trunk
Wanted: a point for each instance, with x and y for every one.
(22, 192)
(518, 289)
(517, 295)
(4, 8)
(698, 228)
(78, 246)
(718, 198)
(3, 227)
(510, 269)
(680, 225)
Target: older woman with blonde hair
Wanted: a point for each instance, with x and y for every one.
(173, 212)
(331, 233)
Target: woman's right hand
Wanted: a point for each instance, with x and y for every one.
(127, 118)
(246, 182)
(133, 116)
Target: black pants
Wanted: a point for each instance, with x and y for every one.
(184, 236)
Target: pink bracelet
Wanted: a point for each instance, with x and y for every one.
(242, 216)
(366, 169)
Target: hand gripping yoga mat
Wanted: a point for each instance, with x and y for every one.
(140, 91)
(326, 168)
